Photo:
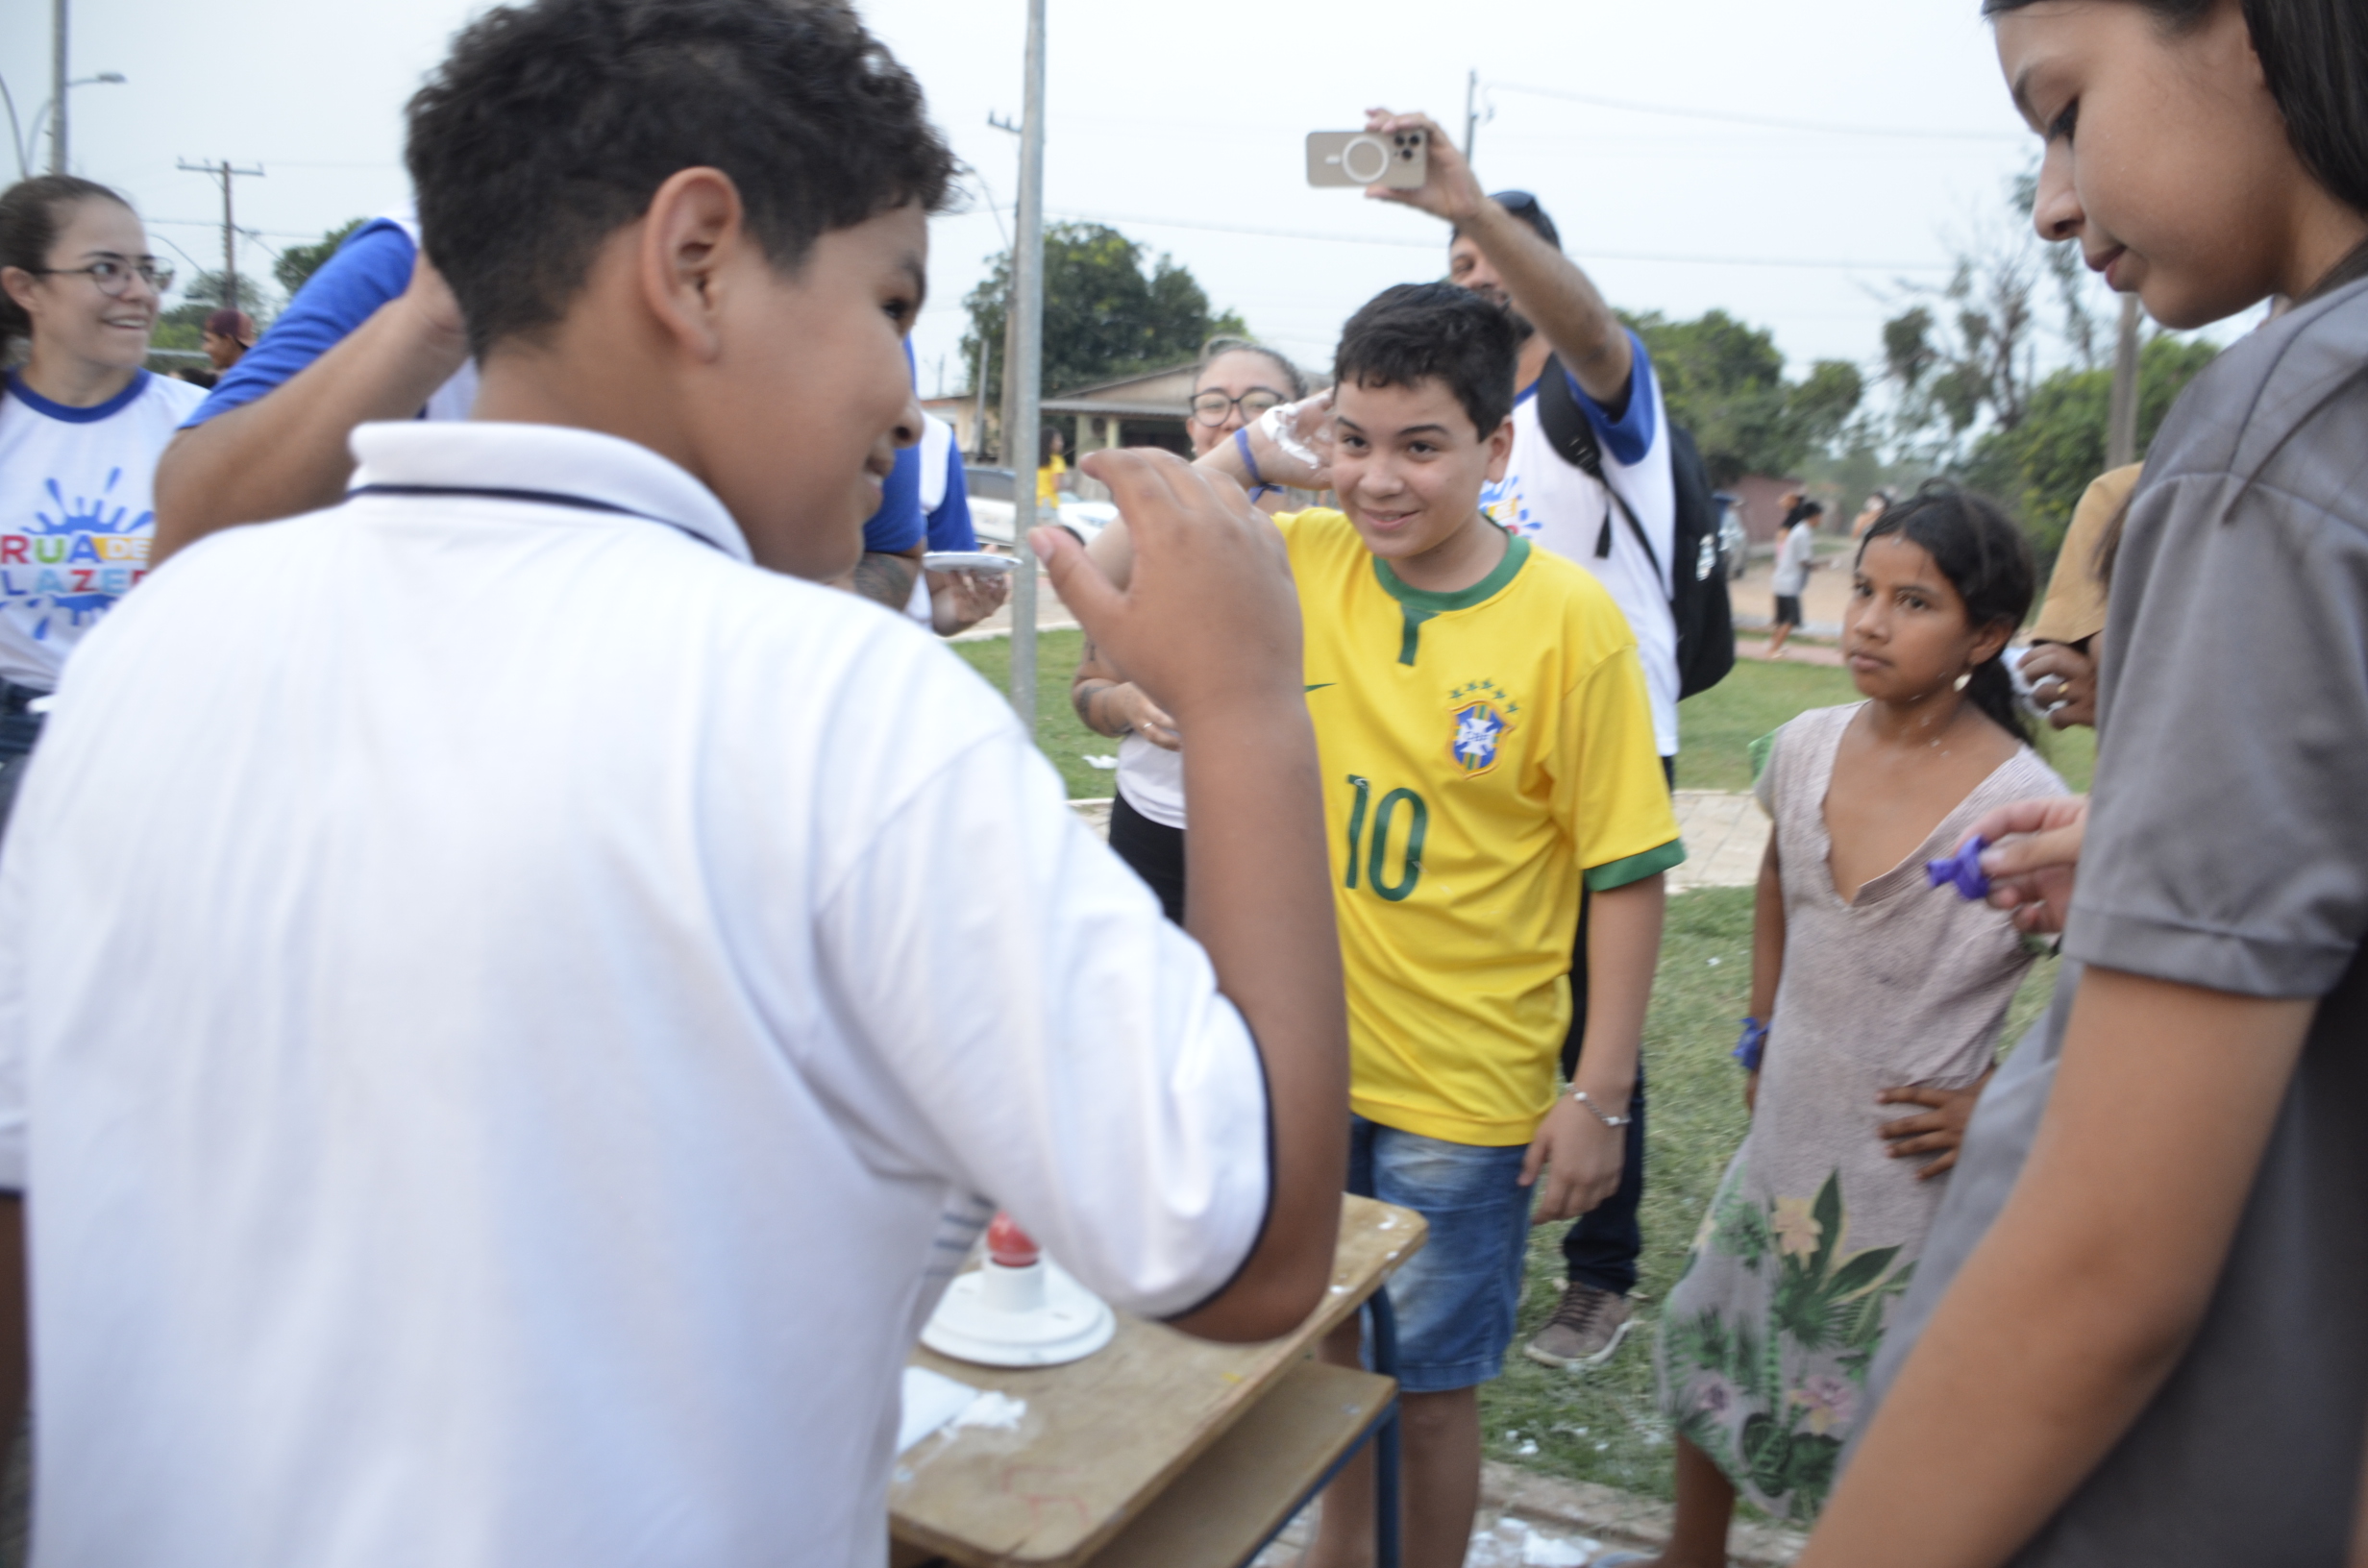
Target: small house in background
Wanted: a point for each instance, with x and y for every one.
(1145, 409)
(1759, 504)
(961, 412)
(1148, 409)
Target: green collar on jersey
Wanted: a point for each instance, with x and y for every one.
(1420, 604)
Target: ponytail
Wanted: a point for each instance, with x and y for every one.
(1992, 690)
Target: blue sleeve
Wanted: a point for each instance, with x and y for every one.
(949, 525)
(371, 267)
(1629, 437)
(898, 525)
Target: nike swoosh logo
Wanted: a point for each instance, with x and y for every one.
(1319, 686)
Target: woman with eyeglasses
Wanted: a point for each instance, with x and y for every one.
(81, 427)
(1234, 382)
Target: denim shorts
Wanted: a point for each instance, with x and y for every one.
(1455, 1299)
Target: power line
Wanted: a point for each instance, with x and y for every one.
(217, 223)
(1672, 258)
(1764, 122)
(226, 174)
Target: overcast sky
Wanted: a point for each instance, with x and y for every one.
(1183, 124)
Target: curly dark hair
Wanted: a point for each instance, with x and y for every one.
(552, 125)
(1433, 332)
(1983, 556)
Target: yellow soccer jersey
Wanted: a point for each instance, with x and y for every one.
(1481, 750)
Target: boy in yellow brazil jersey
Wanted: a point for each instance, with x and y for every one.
(1486, 748)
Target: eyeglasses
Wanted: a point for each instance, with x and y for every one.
(113, 275)
(1211, 408)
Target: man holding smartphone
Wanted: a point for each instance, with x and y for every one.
(1506, 249)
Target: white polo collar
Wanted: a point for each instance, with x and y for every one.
(542, 464)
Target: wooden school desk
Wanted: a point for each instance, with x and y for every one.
(1160, 1451)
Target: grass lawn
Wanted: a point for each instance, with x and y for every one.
(1715, 726)
(1605, 1426)
(1066, 742)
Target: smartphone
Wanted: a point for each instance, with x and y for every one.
(967, 560)
(1400, 159)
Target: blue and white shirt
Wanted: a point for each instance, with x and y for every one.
(76, 513)
(1548, 501)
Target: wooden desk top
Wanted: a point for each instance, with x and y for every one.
(1101, 1437)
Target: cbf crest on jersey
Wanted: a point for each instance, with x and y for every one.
(1483, 715)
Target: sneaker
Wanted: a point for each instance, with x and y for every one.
(1585, 1330)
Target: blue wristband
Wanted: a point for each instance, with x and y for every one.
(1747, 1049)
(1240, 444)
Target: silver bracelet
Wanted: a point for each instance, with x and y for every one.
(1596, 1110)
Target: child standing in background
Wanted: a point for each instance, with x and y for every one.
(1796, 551)
(1878, 989)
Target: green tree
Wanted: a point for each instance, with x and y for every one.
(1105, 315)
(1724, 380)
(299, 262)
(2041, 465)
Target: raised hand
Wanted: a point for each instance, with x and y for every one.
(1449, 189)
(1293, 443)
(1208, 618)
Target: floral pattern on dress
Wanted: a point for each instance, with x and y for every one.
(1772, 1396)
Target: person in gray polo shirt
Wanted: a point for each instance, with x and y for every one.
(2139, 1330)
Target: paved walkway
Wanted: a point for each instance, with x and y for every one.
(1532, 1521)
(1725, 835)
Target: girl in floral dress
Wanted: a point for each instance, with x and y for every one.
(1881, 992)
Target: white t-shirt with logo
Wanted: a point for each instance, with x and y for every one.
(76, 513)
(1562, 508)
(561, 1077)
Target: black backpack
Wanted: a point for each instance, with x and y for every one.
(1698, 596)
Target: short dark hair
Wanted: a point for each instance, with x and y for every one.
(552, 125)
(1986, 560)
(31, 214)
(1434, 333)
(2314, 53)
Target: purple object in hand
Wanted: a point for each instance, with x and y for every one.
(1962, 869)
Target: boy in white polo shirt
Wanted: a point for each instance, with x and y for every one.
(558, 1075)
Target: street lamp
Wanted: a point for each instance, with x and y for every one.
(23, 139)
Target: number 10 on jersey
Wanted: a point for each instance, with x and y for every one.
(1384, 817)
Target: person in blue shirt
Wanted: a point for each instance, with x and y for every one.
(375, 334)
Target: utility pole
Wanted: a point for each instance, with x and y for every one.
(2121, 422)
(1471, 113)
(223, 172)
(56, 85)
(1027, 298)
(979, 413)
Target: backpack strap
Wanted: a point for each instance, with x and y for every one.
(1572, 437)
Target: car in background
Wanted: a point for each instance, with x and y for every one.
(992, 511)
(1733, 542)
